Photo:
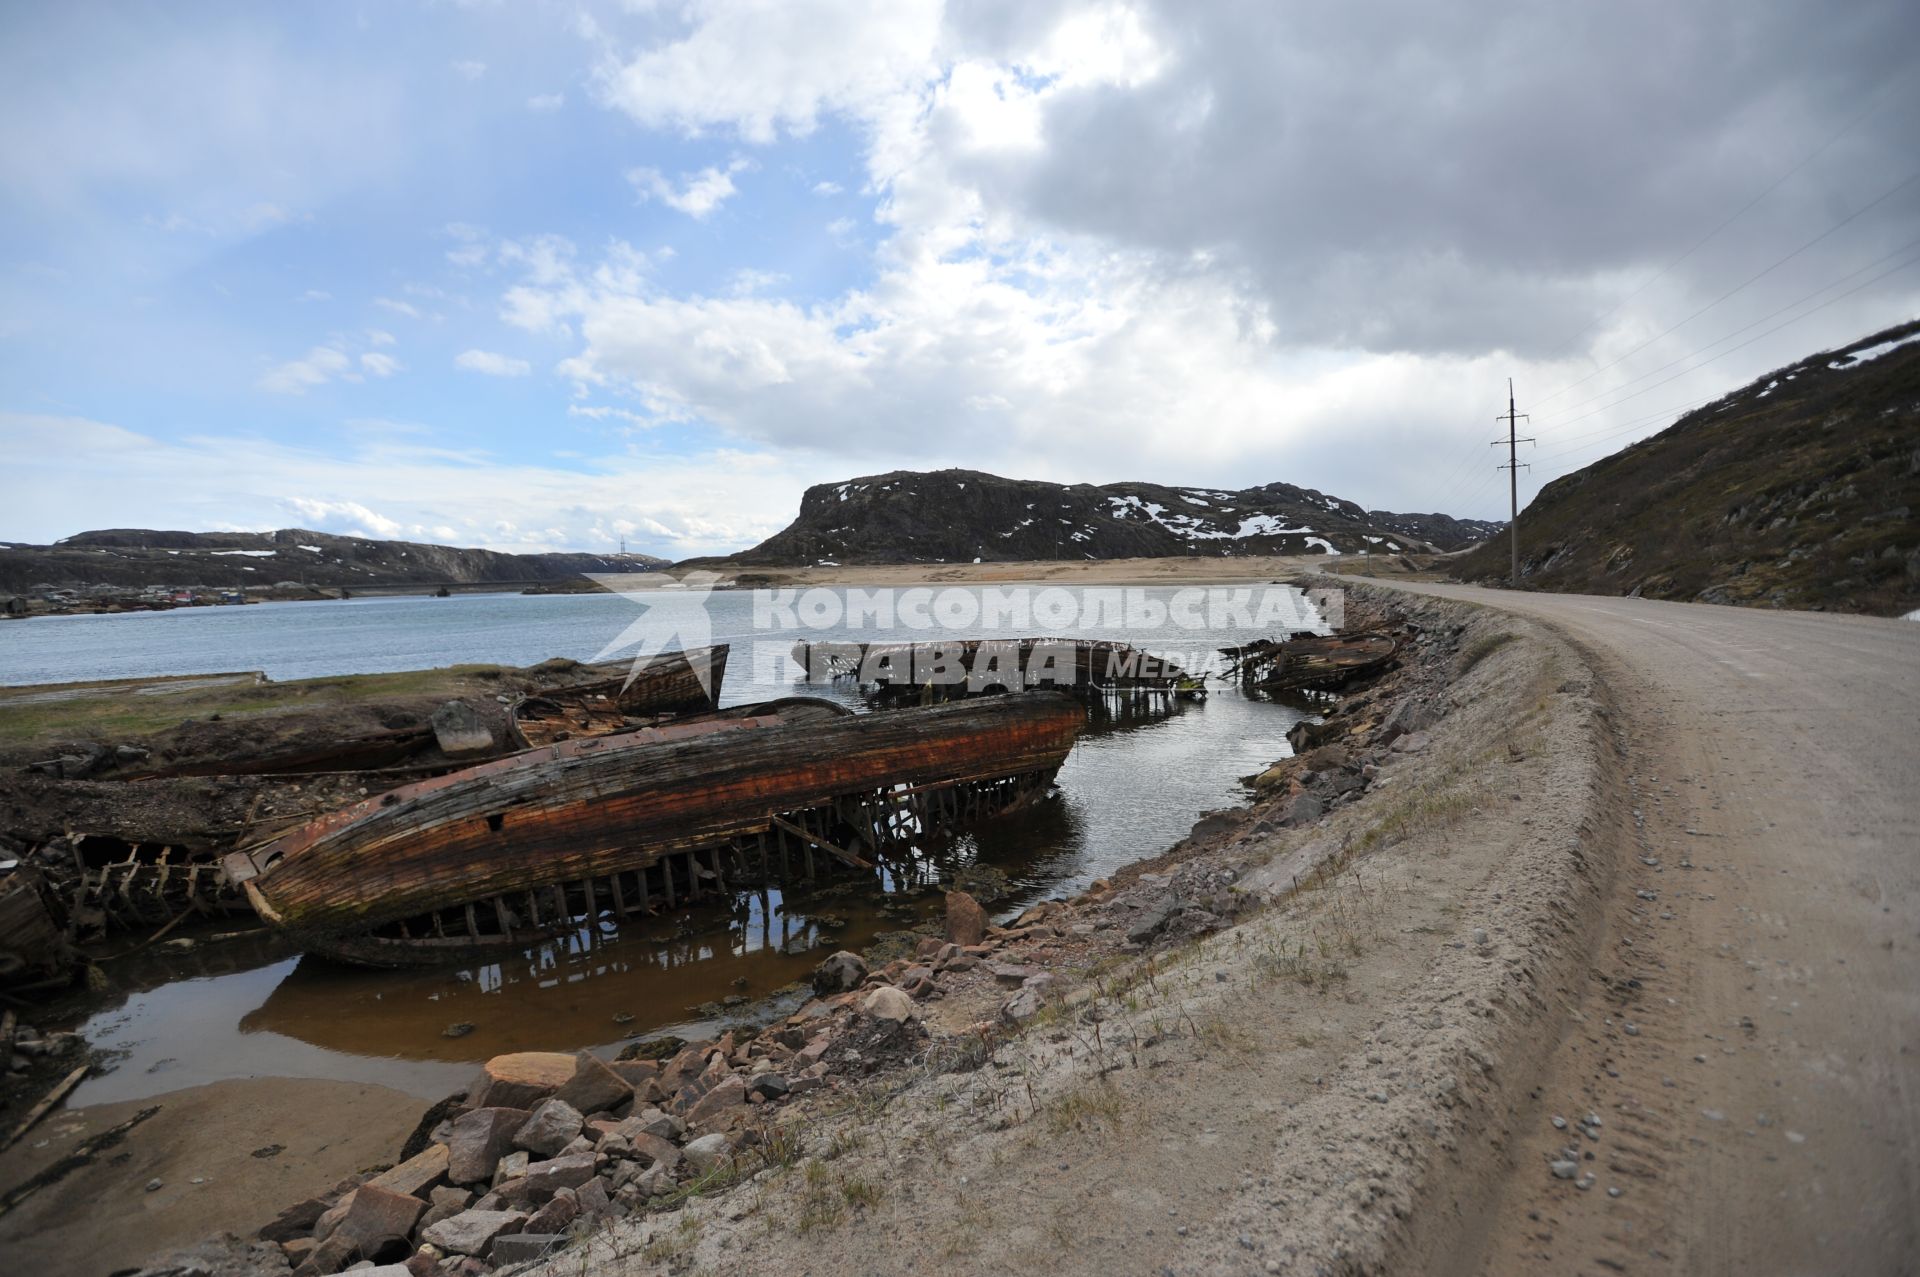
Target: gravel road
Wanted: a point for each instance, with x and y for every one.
(1759, 1086)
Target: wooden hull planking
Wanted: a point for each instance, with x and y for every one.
(561, 818)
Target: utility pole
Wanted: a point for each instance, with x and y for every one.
(1513, 475)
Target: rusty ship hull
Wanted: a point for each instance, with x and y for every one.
(519, 847)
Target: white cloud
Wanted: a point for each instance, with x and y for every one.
(493, 365)
(470, 68)
(543, 103)
(316, 295)
(603, 412)
(78, 473)
(379, 337)
(761, 69)
(824, 189)
(317, 367)
(697, 195)
(379, 365)
(349, 518)
(397, 307)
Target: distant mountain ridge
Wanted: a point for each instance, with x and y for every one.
(1798, 491)
(959, 516)
(136, 558)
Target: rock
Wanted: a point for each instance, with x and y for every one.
(652, 1122)
(1027, 1003)
(296, 1220)
(511, 1167)
(552, 1126)
(378, 1221)
(460, 731)
(642, 1075)
(769, 1086)
(222, 1256)
(417, 1175)
(840, 973)
(594, 1088)
(444, 1203)
(1150, 920)
(1304, 810)
(520, 1080)
(544, 1179)
(966, 920)
(1011, 974)
(592, 1198)
(730, 1093)
(1412, 743)
(1564, 1169)
(562, 1210)
(708, 1152)
(652, 1150)
(1480, 937)
(472, 1232)
(522, 1248)
(1213, 824)
(478, 1140)
(684, 1067)
(1409, 717)
(888, 1003)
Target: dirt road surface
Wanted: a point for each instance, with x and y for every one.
(1769, 1061)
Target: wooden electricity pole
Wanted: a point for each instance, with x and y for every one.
(1513, 468)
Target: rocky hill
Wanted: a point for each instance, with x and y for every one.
(963, 516)
(1795, 491)
(134, 558)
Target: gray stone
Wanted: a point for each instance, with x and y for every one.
(707, 1152)
(840, 973)
(1304, 810)
(544, 1179)
(1563, 1169)
(472, 1232)
(460, 732)
(478, 1140)
(553, 1125)
(652, 1121)
(769, 1086)
(511, 1167)
(888, 1003)
(1027, 1003)
(521, 1248)
(1408, 717)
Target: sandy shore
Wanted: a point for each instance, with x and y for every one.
(102, 1217)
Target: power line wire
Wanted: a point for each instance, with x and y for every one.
(1863, 209)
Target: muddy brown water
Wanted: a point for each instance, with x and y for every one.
(191, 1013)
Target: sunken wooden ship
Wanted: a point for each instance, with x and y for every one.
(542, 842)
(1311, 662)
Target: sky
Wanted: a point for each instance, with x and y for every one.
(544, 275)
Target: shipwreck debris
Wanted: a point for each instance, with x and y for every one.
(675, 683)
(1311, 662)
(526, 847)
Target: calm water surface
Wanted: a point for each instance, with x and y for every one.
(1133, 785)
